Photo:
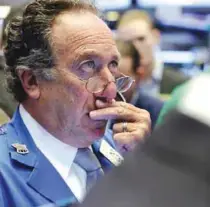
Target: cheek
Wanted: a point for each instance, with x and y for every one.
(77, 98)
(125, 66)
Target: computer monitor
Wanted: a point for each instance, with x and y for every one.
(113, 5)
(4, 11)
(181, 3)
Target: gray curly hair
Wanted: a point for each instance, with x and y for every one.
(28, 41)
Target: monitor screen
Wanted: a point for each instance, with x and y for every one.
(1, 32)
(182, 3)
(113, 5)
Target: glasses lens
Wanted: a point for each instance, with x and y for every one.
(124, 83)
(96, 84)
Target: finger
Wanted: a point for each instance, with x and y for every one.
(120, 113)
(101, 104)
(127, 148)
(127, 140)
(131, 127)
(143, 131)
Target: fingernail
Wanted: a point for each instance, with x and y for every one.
(113, 101)
(92, 114)
(100, 103)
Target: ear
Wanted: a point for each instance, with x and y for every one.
(29, 83)
(156, 36)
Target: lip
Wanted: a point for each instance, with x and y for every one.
(98, 124)
(95, 123)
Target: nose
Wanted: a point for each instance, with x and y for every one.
(110, 90)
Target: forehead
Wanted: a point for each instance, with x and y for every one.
(140, 26)
(73, 32)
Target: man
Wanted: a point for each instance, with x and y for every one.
(136, 27)
(129, 65)
(62, 66)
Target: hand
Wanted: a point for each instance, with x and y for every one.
(138, 122)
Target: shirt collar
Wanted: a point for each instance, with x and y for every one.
(49, 145)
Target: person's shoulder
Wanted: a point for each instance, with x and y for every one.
(145, 100)
(151, 104)
(171, 104)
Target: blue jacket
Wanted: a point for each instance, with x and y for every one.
(30, 180)
(152, 104)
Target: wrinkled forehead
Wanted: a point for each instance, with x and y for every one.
(82, 29)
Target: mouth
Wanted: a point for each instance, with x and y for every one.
(100, 124)
(96, 124)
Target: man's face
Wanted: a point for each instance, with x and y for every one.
(82, 44)
(126, 67)
(144, 38)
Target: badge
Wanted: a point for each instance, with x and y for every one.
(20, 148)
(110, 153)
(3, 130)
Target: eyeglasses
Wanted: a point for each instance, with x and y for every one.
(97, 84)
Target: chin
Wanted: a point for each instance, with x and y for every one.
(96, 134)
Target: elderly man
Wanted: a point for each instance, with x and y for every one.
(62, 66)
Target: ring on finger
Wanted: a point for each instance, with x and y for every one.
(125, 127)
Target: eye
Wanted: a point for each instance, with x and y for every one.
(88, 66)
(87, 69)
(113, 65)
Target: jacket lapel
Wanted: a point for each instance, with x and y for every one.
(46, 180)
(43, 178)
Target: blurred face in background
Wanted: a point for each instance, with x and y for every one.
(126, 67)
(144, 38)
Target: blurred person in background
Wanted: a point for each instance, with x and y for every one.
(175, 99)
(7, 103)
(62, 68)
(136, 27)
(130, 65)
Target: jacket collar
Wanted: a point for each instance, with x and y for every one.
(43, 178)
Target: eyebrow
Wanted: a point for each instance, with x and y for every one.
(94, 54)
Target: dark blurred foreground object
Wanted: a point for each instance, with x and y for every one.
(172, 169)
(171, 79)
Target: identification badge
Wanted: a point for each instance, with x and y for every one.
(111, 154)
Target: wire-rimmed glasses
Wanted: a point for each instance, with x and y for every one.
(97, 84)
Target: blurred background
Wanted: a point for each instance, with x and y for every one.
(183, 25)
